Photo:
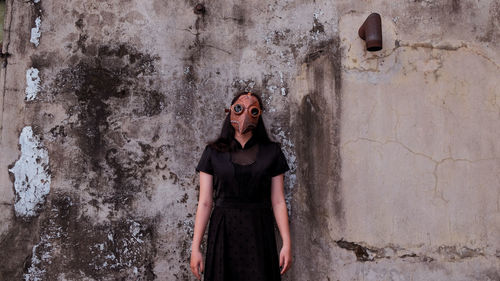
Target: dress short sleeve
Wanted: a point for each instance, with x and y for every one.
(205, 163)
(280, 164)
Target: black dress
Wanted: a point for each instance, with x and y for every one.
(241, 244)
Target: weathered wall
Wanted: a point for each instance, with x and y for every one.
(106, 107)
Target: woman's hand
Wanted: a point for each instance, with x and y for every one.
(202, 217)
(197, 263)
(285, 259)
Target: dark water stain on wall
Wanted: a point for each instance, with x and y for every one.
(456, 6)
(317, 28)
(103, 86)
(240, 37)
(73, 244)
(17, 245)
(94, 81)
(100, 94)
(320, 122)
(318, 157)
(492, 31)
(239, 15)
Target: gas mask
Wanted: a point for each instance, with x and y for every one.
(245, 113)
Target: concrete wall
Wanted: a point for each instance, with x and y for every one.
(107, 105)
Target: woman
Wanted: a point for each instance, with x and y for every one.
(245, 169)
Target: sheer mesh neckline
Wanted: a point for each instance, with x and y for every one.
(247, 165)
(250, 142)
(245, 157)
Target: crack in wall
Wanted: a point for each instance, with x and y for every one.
(437, 193)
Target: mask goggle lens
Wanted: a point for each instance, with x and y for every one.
(238, 108)
(254, 111)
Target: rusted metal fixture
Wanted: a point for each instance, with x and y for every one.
(199, 9)
(371, 32)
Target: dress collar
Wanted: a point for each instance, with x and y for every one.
(250, 142)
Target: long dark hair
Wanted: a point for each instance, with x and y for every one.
(226, 142)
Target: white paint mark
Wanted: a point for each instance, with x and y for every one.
(283, 90)
(32, 83)
(36, 1)
(272, 88)
(35, 32)
(34, 273)
(317, 14)
(135, 229)
(31, 171)
(111, 256)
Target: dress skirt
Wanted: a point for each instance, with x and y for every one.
(241, 243)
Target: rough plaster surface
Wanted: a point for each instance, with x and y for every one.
(394, 155)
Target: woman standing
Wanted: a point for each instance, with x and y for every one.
(241, 173)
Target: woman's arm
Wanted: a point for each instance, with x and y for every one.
(281, 215)
(203, 211)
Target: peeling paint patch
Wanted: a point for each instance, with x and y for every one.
(32, 83)
(35, 32)
(32, 177)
